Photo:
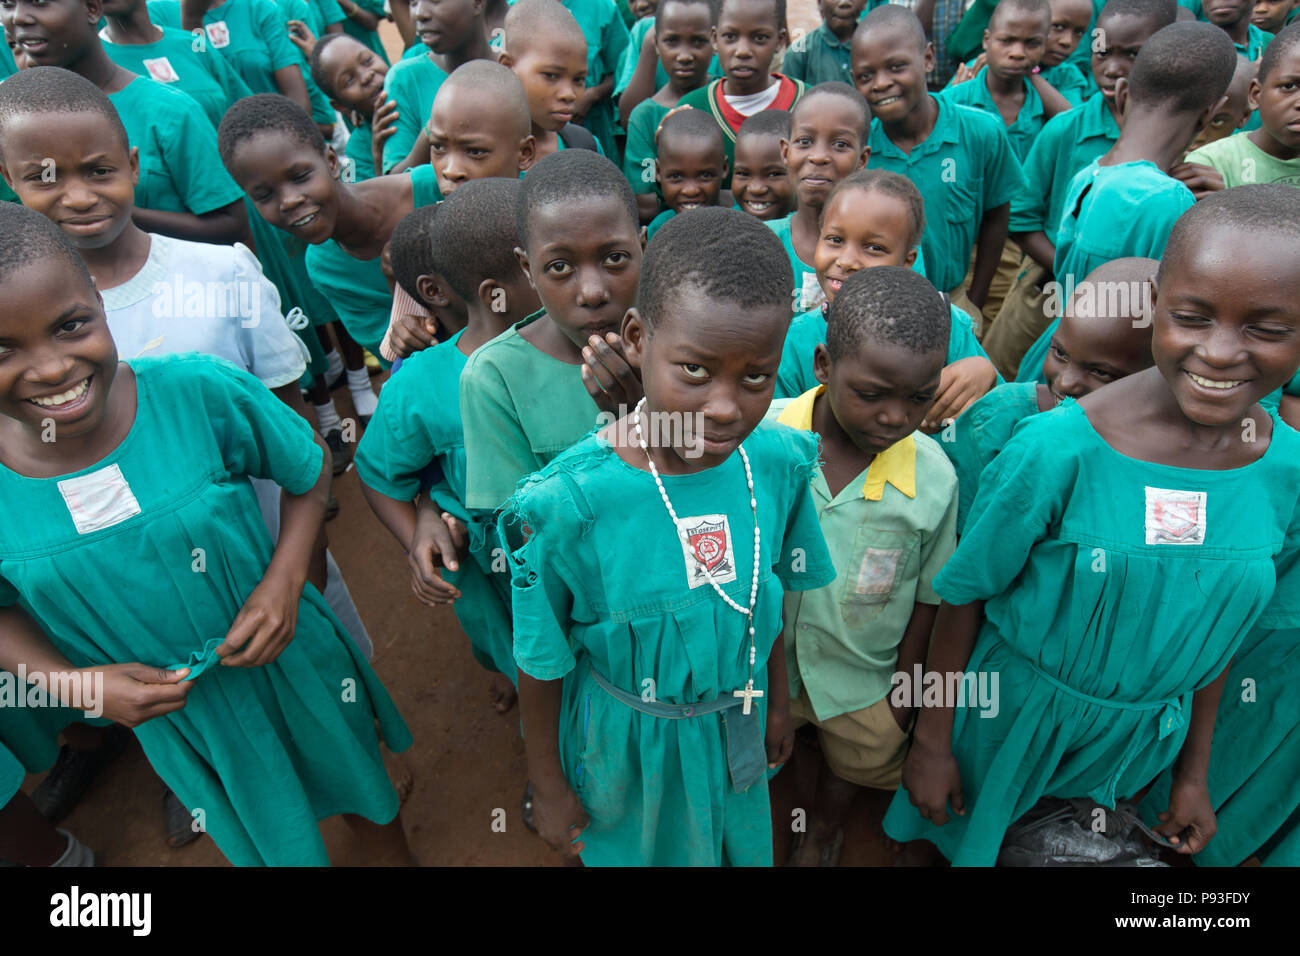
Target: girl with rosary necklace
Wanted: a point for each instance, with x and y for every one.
(647, 597)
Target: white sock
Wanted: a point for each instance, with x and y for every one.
(336, 364)
(363, 396)
(327, 418)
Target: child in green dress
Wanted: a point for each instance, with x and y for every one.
(352, 76)
(879, 371)
(1090, 530)
(229, 632)
(467, 246)
(760, 181)
(690, 165)
(652, 673)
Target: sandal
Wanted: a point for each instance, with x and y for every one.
(178, 822)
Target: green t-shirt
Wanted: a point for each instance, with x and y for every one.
(963, 169)
(1112, 212)
(1029, 121)
(521, 408)
(639, 153)
(180, 168)
(1241, 162)
(1067, 143)
(413, 85)
(657, 222)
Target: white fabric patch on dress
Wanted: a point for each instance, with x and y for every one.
(99, 500)
(878, 570)
(1175, 517)
(708, 545)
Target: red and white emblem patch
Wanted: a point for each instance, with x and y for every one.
(218, 34)
(161, 69)
(708, 545)
(1175, 517)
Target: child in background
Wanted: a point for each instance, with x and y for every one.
(296, 14)
(930, 141)
(1233, 18)
(618, 780)
(1070, 22)
(1091, 527)
(607, 37)
(468, 245)
(1272, 15)
(1270, 154)
(642, 72)
(879, 371)
(747, 37)
(1235, 114)
(546, 49)
(1100, 339)
(828, 141)
(690, 166)
(760, 180)
(823, 55)
(1066, 145)
(874, 218)
(453, 34)
(352, 76)
(682, 29)
(260, 650)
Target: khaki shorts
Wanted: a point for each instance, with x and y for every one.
(864, 747)
(1022, 320)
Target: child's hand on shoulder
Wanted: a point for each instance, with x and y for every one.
(382, 126)
(1189, 823)
(301, 36)
(560, 817)
(932, 781)
(265, 624)
(780, 735)
(134, 693)
(1200, 179)
(440, 540)
(960, 385)
(613, 384)
(965, 73)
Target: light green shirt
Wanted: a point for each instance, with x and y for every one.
(889, 531)
(1241, 162)
(639, 152)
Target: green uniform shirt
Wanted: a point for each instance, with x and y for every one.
(639, 153)
(356, 287)
(1116, 211)
(963, 169)
(369, 37)
(889, 531)
(607, 38)
(321, 111)
(411, 84)
(251, 34)
(607, 589)
(1241, 162)
(521, 408)
(632, 52)
(1256, 40)
(1067, 143)
(204, 74)
(180, 169)
(7, 65)
(819, 57)
(1068, 80)
(1087, 560)
(657, 222)
(1029, 121)
(360, 151)
(267, 751)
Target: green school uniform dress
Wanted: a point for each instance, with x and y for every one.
(604, 598)
(172, 59)
(356, 288)
(265, 752)
(1241, 162)
(411, 84)
(418, 422)
(607, 38)
(251, 34)
(795, 376)
(360, 152)
(980, 432)
(639, 152)
(711, 99)
(1115, 588)
(521, 408)
(819, 57)
(369, 37)
(890, 530)
(1068, 143)
(1254, 756)
(1029, 121)
(321, 111)
(963, 169)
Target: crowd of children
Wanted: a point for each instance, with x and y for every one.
(908, 404)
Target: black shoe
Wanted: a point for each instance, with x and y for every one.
(340, 450)
(178, 823)
(72, 775)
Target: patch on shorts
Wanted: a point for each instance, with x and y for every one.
(99, 500)
(708, 545)
(1175, 517)
(877, 571)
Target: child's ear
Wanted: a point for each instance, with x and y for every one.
(822, 364)
(929, 58)
(909, 260)
(332, 162)
(527, 152)
(634, 336)
(644, 236)
(785, 151)
(506, 60)
(863, 157)
(782, 38)
(522, 258)
(1253, 94)
(984, 40)
(432, 293)
(491, 294)
(134, 164)
(1121, 95)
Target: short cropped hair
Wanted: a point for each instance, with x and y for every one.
(887, 304)
(780, 12)
(766, 123)
(263, 113)
(1162, 12)
(713, 7)
(529, 19)
(409, 249)
(318, 75)
(690, 124)
(892, 184)
(722, 254)
(1185, 65)
(843, 91)
(27, 238)
(567, 175)
(474, 235)
(505, 87)
(1264, 208)
(1282, 45)
(52, 89)
(891, 16)
(1007, 7)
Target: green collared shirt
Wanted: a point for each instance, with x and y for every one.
(963, 169)
(819, 57)
(1029, 121)
(889, 531)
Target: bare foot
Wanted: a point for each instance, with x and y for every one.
(502, 693)
(820, 846)
(399, 772)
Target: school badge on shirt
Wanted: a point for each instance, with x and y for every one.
(218, 33)
(707, 544)
(1175, 517)
(161, 70)
(99, 500)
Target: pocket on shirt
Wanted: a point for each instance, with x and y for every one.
(878, 564)
(963, 199)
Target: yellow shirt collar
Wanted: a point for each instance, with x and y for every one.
(895, 465)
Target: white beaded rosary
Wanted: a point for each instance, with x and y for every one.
(748, 693)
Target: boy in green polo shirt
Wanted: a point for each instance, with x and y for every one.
(886, 500)
(607, 38)
(959, 158)
(1067, 144)
(823, 55)
(1272, 15)
(1233, 18)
